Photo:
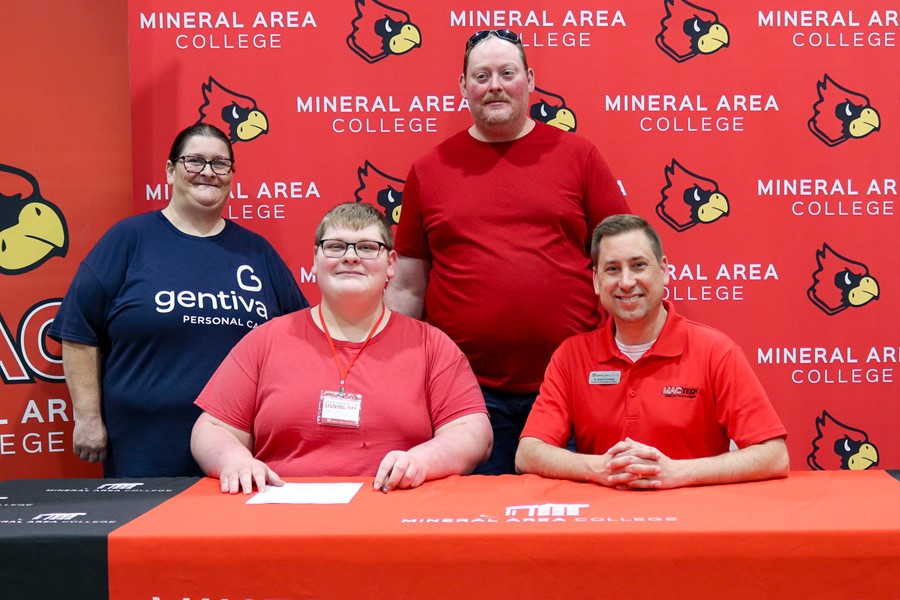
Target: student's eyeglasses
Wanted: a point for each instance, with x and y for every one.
(503, 34)
(365, 249)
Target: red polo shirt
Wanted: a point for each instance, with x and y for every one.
(691, 393)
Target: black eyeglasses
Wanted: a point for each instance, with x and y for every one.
(196, 164)
(503, 34)
(365, 249)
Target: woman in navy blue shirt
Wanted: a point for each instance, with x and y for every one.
(155, 307)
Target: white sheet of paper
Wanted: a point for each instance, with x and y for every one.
(307, 493)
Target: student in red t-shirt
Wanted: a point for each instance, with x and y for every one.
(345, 388)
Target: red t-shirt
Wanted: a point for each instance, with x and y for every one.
(412, 377)
(691, 393)
(507, 229)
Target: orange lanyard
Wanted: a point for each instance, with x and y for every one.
(337, 359)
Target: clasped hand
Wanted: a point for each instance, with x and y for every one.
(636, 466)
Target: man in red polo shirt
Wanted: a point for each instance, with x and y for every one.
(655, 400)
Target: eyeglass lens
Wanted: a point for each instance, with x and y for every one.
(196, 164)
(363, 248)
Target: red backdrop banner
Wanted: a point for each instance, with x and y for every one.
(65, 175)
(785, 116)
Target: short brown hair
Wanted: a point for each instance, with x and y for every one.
(198, 129)
(624, 223)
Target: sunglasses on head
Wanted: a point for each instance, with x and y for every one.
(503, 34)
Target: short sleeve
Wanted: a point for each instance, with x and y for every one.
(451, 388)
(602, 196)
(742, 404)
(84, 313)
(231, 393)
(550, 419)
(82, 316)
(287, 292)
(410, 240)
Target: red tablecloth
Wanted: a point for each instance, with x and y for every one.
(829, 534)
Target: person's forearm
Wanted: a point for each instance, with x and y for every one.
(224, 452)
(456, 449)
(540, 458)
(405, 302)
(768, 460)
(406, 291)
(81, 366)
(214, 447)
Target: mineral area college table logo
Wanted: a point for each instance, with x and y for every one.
(117, 487)
(542, 513)
(545, 510)
(46, 517)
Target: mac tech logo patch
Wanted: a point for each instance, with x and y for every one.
(382, 191)
(838, 446)
(678, 391)
(841, 114)
(235, 114)
(689, 30)
(689, 200)
(840, 283)
(32, 229)
(380, 31)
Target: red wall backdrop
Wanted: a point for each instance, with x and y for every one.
(65, 150)
(322, 114)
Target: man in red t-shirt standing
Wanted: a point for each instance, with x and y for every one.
(494, 236)
(655, 400)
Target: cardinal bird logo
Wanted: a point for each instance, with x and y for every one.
(551, 109)
(380, 31)
(840, 283)
(838, 446)
(235, 114)
(840, 114)
(382, 191)
(689, 30)
(689, 199)
(32, 230)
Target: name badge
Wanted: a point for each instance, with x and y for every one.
(604, 377)
(339, 410)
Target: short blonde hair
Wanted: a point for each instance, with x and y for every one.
(355, 216)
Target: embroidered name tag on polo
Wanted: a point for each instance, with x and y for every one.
(604, 377)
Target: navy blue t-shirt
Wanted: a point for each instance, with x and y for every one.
(165, 308)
